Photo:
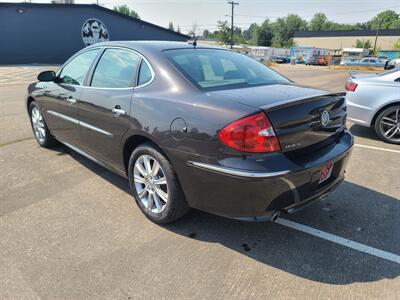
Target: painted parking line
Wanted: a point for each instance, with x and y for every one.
(339, 240)
(377, 148)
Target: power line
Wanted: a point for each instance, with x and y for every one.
(331, 14)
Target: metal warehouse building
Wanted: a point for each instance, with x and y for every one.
(50, 33)
(339, 39)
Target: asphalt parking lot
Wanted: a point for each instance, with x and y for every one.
(69, 229)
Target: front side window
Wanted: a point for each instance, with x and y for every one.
(75, 71)
(115, 69)
(221, 69)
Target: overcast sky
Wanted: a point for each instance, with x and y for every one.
(206, 13)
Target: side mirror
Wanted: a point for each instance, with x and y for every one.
(47, 76)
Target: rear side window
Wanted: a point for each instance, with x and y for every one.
(145, 73)
(75, 71)
(115, 69)
(221, 69)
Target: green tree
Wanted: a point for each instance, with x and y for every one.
(280, 33)
(223, 33)
(387, 19)
(248, 33)
(263, 34)
(124, 9)
(295, 23)
(319, 22)
(206, 33)
(366, 44)
(171, 26)
(396, 45)
(283, 30)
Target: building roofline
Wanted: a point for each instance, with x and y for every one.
(337, 33)
(25, 4)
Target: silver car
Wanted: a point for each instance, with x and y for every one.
(374, 100)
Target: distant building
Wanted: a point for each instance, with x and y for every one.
(390, 54)
(267, 52)
(302, 54)
(356, 53)
(339, 39)
(62, 1)
(51, 33)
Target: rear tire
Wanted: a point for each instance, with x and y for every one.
(39, 127)
(387, 125)
(155, 186)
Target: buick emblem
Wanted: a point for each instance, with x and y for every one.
(325, 118)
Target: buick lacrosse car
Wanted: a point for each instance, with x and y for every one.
(195, 127)
(374, 101)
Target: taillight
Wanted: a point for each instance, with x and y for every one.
(350, 86)
(252, 134)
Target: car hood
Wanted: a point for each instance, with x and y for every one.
(268, 96)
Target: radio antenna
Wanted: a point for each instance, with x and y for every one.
(195, 41)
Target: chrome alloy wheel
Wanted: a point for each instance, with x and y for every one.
(390, 125)
(150, 183)
(38, 124)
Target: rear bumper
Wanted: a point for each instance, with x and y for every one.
(254, 187)
(359, 114)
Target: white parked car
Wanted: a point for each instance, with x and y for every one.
(394, 63)
(374, 100)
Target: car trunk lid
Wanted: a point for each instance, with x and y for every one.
(302, 117)
(308, 122)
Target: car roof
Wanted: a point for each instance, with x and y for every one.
(152, 45)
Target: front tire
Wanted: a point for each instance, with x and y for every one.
(39, 127)
(155, 186)
(387, 125)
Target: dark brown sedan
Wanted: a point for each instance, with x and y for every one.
(196, 127)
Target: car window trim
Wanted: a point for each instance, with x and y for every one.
(135, 79)
(72, 58)
(138, 74)
(92, 68)
(90, 77)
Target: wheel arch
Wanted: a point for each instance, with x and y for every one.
(132, 142)
(29, 100)
(396, 102)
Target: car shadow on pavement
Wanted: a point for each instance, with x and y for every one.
(364, 132)
(352, 211)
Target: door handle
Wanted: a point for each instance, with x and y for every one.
(118, 111)
(71, 100)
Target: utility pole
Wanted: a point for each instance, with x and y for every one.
(376, 35)
(232, 3)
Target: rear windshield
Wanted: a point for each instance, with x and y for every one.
(214, 69)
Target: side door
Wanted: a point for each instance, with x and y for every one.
(60, 105)
(364, 62)
(105, 104)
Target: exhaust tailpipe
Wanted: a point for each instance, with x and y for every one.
(275, 215)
